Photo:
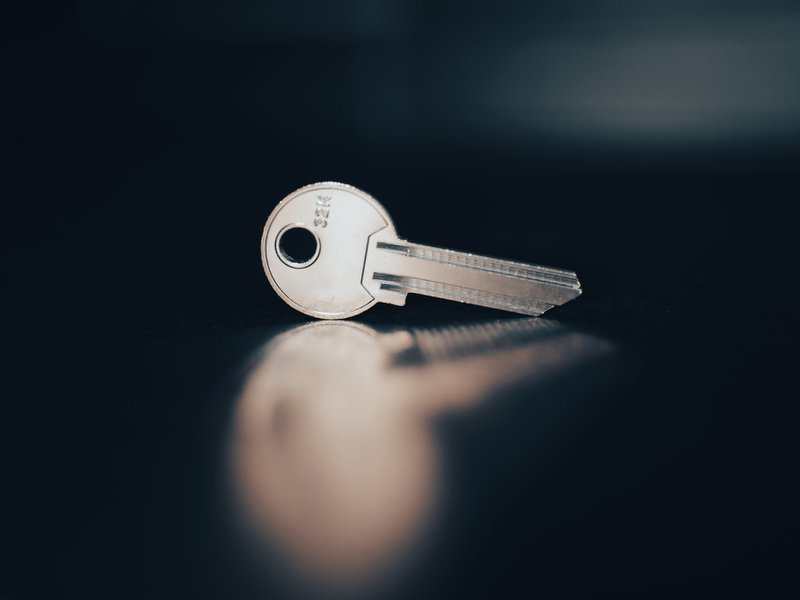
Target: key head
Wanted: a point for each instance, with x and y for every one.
(314, 247)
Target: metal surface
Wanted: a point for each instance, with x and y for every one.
(359, 260)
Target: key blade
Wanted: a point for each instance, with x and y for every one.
(406, 285)
(394, 268)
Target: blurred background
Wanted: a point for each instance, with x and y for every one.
(652, 147)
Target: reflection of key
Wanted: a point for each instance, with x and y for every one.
(335, 459)
(331, 251)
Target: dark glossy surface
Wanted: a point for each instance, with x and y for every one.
(143, 154)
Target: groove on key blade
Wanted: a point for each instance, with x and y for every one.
(559, 277)
(395, 268)
(445, 291)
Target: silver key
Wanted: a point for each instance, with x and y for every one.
(331, 251)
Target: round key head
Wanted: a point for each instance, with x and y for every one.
(314, 247)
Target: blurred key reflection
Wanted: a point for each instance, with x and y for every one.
(335, 463)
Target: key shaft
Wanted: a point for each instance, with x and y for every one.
(394, 268)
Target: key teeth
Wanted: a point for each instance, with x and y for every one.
(508, 268)
(395, 268)
(575, 287)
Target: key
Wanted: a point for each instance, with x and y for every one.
(331, 251)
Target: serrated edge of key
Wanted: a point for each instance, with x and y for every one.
(509, 268)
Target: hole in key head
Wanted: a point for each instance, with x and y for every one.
(297, 246)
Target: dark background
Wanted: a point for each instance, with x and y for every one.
(652, 147)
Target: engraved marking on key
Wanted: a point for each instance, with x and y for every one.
(361, 261)
(322, 211)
